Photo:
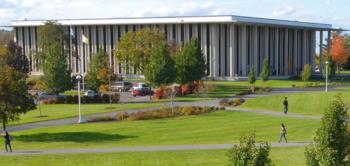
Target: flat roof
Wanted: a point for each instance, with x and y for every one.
(176, 20)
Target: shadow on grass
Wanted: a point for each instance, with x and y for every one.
(71, 137)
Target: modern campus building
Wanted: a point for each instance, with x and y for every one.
(230, 44)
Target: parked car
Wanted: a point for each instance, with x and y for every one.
(45, 95)
(122, 86)
(90, 93)
(141, 89)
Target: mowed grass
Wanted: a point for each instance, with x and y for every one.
(58, 111)
(212, 128)
(275, 83)
(308, 103)
(286, 156)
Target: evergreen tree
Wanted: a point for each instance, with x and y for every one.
(332, 139)
(161, 67)
(189, 63)
(251, 77)
(52, 42)
(265, 73)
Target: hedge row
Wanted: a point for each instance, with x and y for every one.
(104, 98)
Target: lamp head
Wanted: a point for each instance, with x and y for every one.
(78, 77)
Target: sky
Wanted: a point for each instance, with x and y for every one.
(335, 12)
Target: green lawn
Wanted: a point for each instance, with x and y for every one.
(308, 103)
(217, 127)
(58, 111)
(274, 83)
(289, 156)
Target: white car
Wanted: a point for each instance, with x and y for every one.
(90, 93)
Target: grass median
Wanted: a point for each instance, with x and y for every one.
(212, 128)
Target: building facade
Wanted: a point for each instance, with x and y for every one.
(230, 44)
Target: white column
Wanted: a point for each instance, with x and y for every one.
(243, 50)
(255, 50)
(93, 40)
(304, 51)
(286, 53)
(296, 53)
(186, 32)
(222, 50)
(108, 44)
(195, 30)
(214, 50)
(329, 43)
(277, 55)
(313, 49)
(116, 40)
(178, 34)
(232, 50)
(204, 45)
(266, 43)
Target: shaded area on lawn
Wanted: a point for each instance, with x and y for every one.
(71, 137)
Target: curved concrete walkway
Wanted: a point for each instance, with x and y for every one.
(141, 148)
(213, 102)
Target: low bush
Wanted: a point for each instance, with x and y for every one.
(101, 119)
(262, 89)
(53, 100)
(244, 92)
(231, 102)
(158, 113)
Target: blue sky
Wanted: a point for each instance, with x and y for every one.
(335, 12)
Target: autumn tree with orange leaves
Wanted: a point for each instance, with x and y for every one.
(339, 52)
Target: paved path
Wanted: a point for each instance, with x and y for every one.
(213, 102)
(141, 148)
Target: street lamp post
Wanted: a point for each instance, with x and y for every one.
(78, 77)
(327, 75)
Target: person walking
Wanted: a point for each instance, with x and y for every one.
(7, 141)
(283, 133)
(285, 104)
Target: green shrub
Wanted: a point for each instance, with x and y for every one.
(68, 99)
(332, 139)
(248, 154)
(231, 102)
(306, 73)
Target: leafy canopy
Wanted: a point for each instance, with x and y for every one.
(53, 57)
(189, 62)
(161, 67)
(134, 48)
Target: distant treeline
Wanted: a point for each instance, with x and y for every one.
(5, 36)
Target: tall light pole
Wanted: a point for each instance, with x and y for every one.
(78, 77)
(327, 62)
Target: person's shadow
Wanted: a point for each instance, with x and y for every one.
(71, 137)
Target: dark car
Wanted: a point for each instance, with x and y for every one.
(141, 89)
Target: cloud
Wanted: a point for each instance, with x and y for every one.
(283, 10)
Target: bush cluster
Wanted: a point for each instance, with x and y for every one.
(69, 99)
(231, 102)
(157, 114)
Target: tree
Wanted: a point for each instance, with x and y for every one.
(99, 73)
(331, 140)
(52, 42)
(189, 63)
(134, 48)
(265, 73)
(306, 73)
(251, 77)
(331, 68)
(339, 52)
(14, 96)
(161, 67)
(248, 154)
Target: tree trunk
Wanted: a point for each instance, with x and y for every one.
(4, 121)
